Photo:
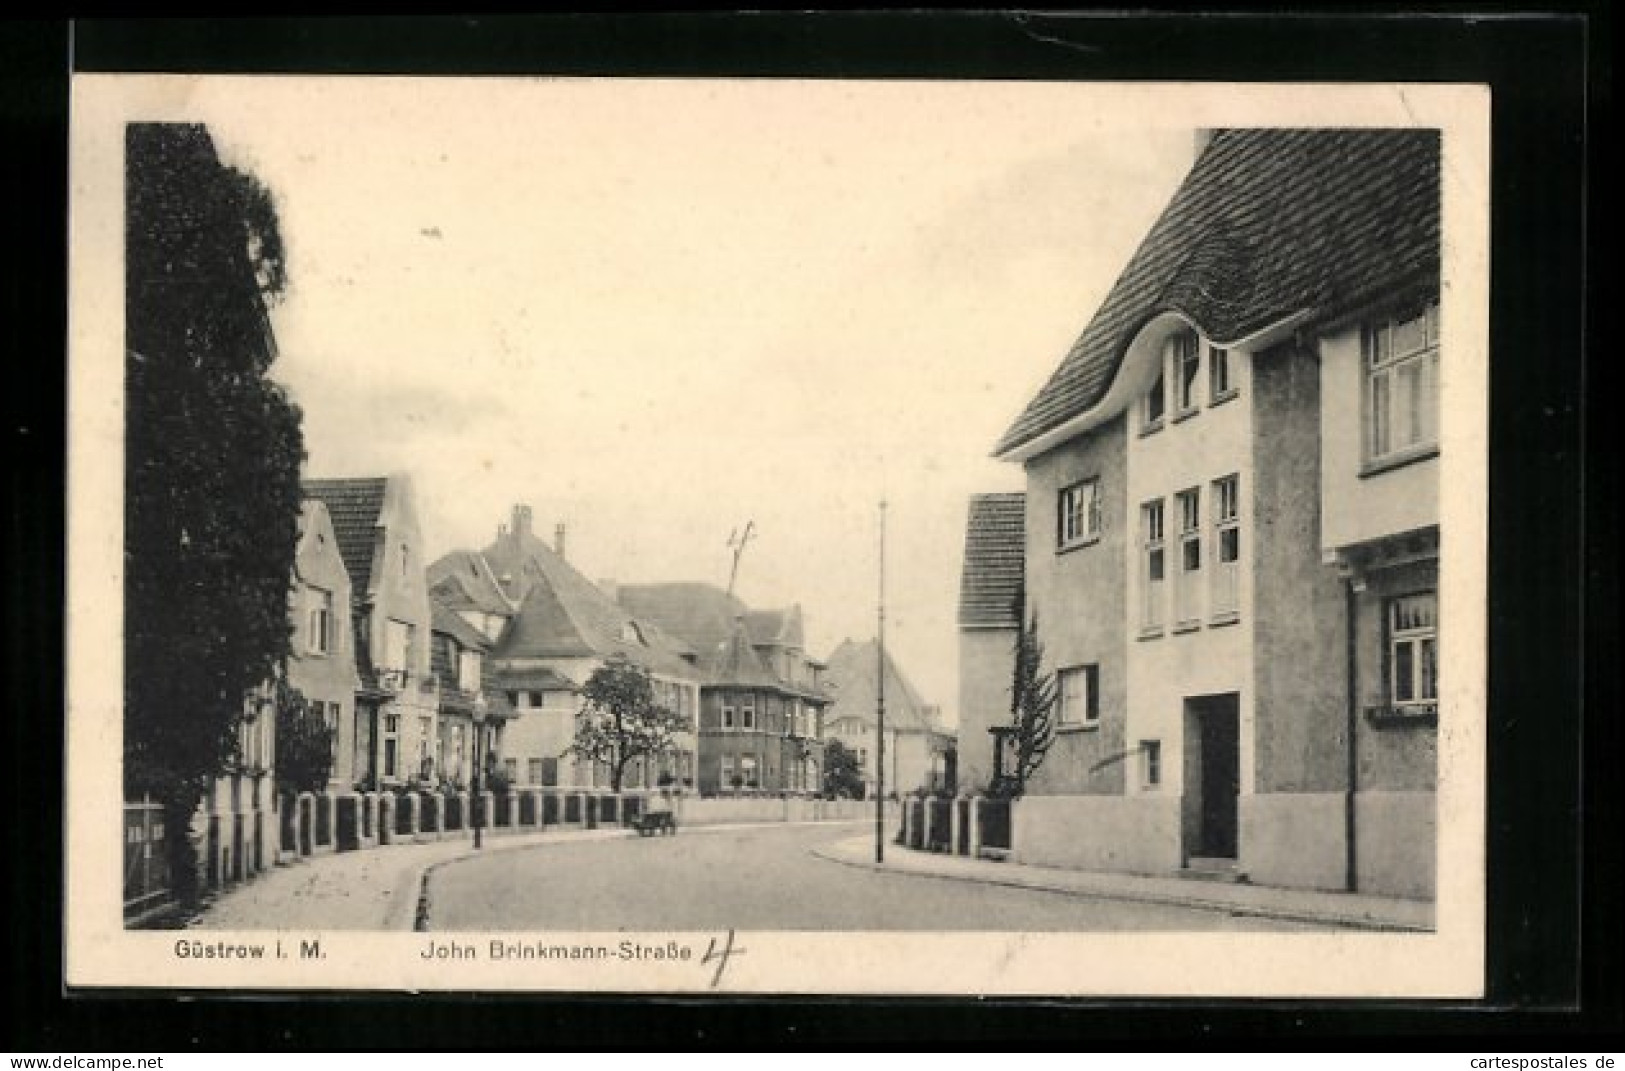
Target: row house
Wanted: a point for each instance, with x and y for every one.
(392, 737)
(473, 712)
(762, 697)
(1231, 528)
(920, 755)
(240, 809)
(550, 628)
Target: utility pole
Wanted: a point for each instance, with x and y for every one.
(737, 540)
(880, 713)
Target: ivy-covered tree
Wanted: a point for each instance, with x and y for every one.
(1032, 708)
(843, 775)
(620, 720)
(212, 456)
(304, 742)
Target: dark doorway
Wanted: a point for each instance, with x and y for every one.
(1212, 775)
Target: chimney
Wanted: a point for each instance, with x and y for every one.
(1203, 136)
(558, 539)
(521, 521)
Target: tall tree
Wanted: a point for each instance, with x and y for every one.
(620, 720)
(212, 456)
(1032, 708)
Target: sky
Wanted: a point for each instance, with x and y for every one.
(655, 311)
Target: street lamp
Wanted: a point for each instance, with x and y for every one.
(479, 766)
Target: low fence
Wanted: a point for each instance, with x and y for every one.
(235, 846)
(147, 884)
(971, 826)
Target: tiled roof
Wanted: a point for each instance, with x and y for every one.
(853, 674)
(463, 581)
(781, 628)
(701, 614)
(737, 663)
(995, 556)
(354, 506)
(564, 615)
(1267, 224)
(442, 619)
(535, 679)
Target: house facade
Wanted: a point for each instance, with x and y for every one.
(1232, 528)
(990, 608)
(920, 755)
(762, 699)
(551, 628)
(393, 736)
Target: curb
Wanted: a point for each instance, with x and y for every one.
(1145, 896)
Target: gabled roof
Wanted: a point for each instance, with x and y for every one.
(777, 628)
(1268, 224)
(701, 614)
(462, 580)
(854, 677)
(354, 506)
(737, 663)
(562, 614)
(995, 555)
(449, 622)
(534, 679)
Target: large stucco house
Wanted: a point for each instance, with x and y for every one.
(1231, 530)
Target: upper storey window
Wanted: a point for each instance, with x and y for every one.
(1185, 359)
(1078, 514)
(1401, 360)
(1178, 386)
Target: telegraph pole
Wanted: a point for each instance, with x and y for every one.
(880, 713)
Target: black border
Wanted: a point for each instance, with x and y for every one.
(1554, 512)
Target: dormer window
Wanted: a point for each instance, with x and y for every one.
(1156, 403)
(1185, 357)
(1220, 387)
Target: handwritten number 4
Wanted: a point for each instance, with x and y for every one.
(721, 956)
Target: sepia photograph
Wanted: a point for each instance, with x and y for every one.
(777, 536)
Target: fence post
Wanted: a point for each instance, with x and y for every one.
(926, 823)
(953, 825)
(975, 846)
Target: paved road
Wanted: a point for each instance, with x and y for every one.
(760, 879)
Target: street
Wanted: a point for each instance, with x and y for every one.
(762, 878)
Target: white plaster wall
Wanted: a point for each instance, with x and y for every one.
(1139, 835)
(1215, 442)
(1355, 508)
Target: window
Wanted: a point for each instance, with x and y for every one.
(1150, 763)
(1402, 393)
(1219, 387)
(1153, 551)
(726, 772)
(398, 638)
(1186, 610)
(468, 671)
(1156, 401)
(550, 772)
(747, 712)
(1186, 353)
(1079, 694)
(536, 699)
(747, 771)
(727, 715)
(330, 721)
(392, 729)
(1413, 649)
(1227, 548)
(510, 770)
(1078, 513)
(321, 621)
(533, 772)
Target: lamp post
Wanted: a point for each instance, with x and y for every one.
(479, 767)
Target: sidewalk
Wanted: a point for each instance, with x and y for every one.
(374, 889)
(1298, 905)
